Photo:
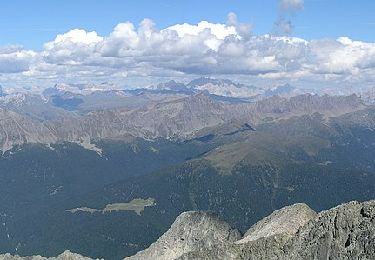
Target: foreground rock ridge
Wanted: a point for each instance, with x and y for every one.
(293, 232)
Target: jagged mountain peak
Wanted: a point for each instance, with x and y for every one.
(190, 231)
(205, 80)
(172, 85)
(80, 89)
(224, 87)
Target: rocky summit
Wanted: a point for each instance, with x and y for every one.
(191, 231)
(285, 221)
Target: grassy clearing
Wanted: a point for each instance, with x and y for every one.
(136, 205)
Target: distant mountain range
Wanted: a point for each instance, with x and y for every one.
(217, 87)
(213, 86)
(82, 114)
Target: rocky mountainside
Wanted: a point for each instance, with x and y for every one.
(343, 232)
(20, 129)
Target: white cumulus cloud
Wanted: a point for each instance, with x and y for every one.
(13, 59)
(132, 52)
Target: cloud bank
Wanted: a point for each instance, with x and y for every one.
(130, 53)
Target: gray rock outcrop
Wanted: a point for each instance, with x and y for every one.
(67, 255)
(294, 232)
(285, 221)
(344, 232)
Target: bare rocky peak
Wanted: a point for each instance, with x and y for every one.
(191, 231)
(224, 88)
(206, 80)
(171, 85)
(283, 221)
(83, 89)
(67, 255)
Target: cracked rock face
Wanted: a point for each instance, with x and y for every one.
(344, 232)
(191, 231)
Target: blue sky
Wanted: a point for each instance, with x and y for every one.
(31, 23)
